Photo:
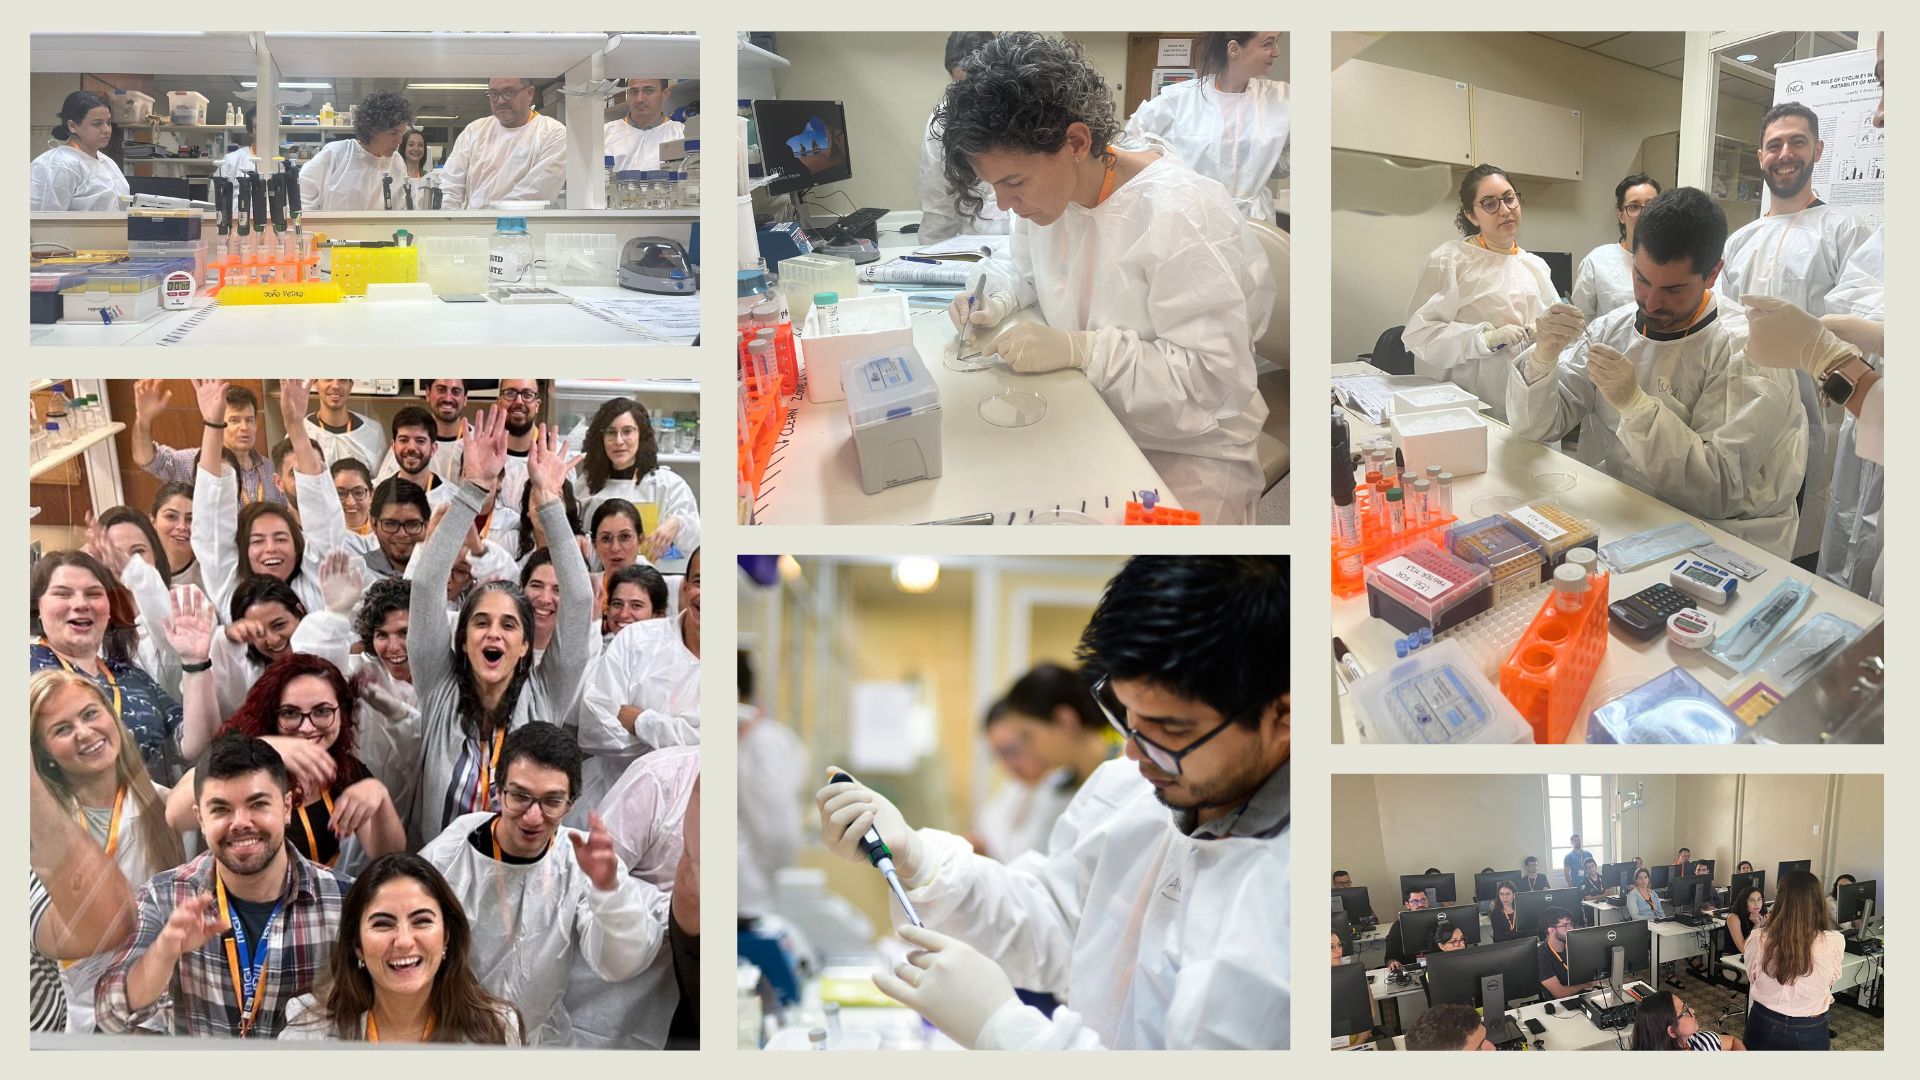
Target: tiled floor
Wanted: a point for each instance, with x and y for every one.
(1853, 1028)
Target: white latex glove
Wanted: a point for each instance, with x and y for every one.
(1537, 363)
(1614, 376)
(1555, 329)
(993, 310)
(1495, 338)
(1867, 335)
(1031, 348)
(950, 983)
(1780, 335)
(847, 811)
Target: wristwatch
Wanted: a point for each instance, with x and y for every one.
(1838, 383)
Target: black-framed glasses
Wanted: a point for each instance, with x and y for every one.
(506, 95)
(528, 396)
(1167, 761)
(321, 717)
(517, 801)
(354, 494)
(1492, 203)
(391, 526)
(1634, 209)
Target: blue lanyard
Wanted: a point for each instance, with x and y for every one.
(251, 962)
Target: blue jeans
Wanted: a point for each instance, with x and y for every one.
(1769, 1030)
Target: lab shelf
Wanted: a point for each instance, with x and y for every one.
(639, 386)
(38, 385)
(646, 56)
(74, 449)
(149, 52)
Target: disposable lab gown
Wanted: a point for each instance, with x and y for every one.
(492, 164)
(344, 176)
(647, 665)
(639, 148)
(1850, 547)
(1175, 289)
(1604, 280)
(239, 162)
(773, 790)
(530, 921)
(645, 813)
(663, 488)
(1464, 291)
(366, 443)
(1240, 140)
(216, 516)
(67, 179)
(1019, 817)
(1155, 938)
(940, 216)
(1717, 436)
(1798, 258)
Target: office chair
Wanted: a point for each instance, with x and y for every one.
(1389, 355)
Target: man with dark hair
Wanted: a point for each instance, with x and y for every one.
(1663, 393)
(338, 431)
(514, 153)
(1159, 911)
(1796, 252)
(633, 140)
(1342, 879)
(535, 902)
(225, 941)
(1448, 1027)
(940, 217)
(413, 452)
(1555, 978)
(239, 433)
(399, 515)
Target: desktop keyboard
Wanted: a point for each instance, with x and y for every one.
(1693, 920)
(859, 221)
(1615, 901)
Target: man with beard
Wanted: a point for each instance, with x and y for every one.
(1159, 911)
(521, 398)
(1796, 252)
(341, 433)
(1664, 395)
(413, 456)
(446, 398)
(225, 941)
(400, 513)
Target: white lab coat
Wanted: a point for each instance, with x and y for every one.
(1798, 258)
(662, 487)
(530, 921)
(67, 179)
(1174, 288)
(639, 148)
(1019, 817)
(216, 515)
(308, 1022)
(1240, 140)
(136, 865)
(1464, 291)
(445, 462)
(491, 164)
(1604, 280)
(645, 813)
(1157, 939)
(1717, 436)
(773, 790)
(366, 444)
(940, 216)
(646, 665)
(344, 176)
(239, 162)
(1850, 548)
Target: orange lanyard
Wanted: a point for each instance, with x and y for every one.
(1513, 919)
(373, 1029)
(1482, 241)
(483, 791)
(493, 833)
(105, 673)
(258, 967)
(1556, 953)
(313, 842)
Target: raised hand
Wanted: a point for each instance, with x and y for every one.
(295, 394)
(484, 448)
(110, 555)
(594, 852)
(341, 581)
(150, 398)
(194, 923)
(309, 767)
(212, 397)
(660, 540)
(356, 806)
(549, 464)
(190, 631)
(247, 632)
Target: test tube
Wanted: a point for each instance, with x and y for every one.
(1443, 490)
(760, 353)
(1396, 511)
(1570, 587)
(1421, 511)
(1587, 560)
(828, 305)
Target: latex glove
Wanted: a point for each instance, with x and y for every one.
(1031, 348)
(847, 811)
(949, 982)
(1495, 338)
(1780, 335)
(1537, 363)
(1554, 330)
(993, 310)
(1867, 335)
(1614, 376)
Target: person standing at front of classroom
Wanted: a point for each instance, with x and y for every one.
(76, 173)
(514, 154)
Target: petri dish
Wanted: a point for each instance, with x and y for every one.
(951, 358)
(1010, 408)
(1548, 483)
(1057, 516)
(1489, 505)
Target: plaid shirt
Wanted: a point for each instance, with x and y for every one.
(179, 466)
(201, 999)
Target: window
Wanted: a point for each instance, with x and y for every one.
(1576, 803)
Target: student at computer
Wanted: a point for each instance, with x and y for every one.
(1793, 962)
(1746, 915)
(1449, 938)
(1398, 955)
(1504, 914)
(1342, 879)
(1592, 887)
(1448, 1027)
(1554, 977)
(1531, 879)
(1745, 867)
(1642, 901)
(1664, 1022)
(1833, 902)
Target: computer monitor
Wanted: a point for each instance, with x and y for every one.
(1352, 1002)
(1528, 906)
(1441, 883)
(1755, 878)
(803, 144)
(1789, 867)
(1560, 269)
(1658, 875)
(1590, 949)
(1453, 978)
(1690, 891)
(1617, 875)
(1487, 886)
(1417, 927)
(1851, 900)
(1344, 932)
(1354, 899)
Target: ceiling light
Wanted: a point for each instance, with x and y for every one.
(436, 118)
(446, 86)
(790, 568)
(294, 85)
(916, 575)
(1747, 58)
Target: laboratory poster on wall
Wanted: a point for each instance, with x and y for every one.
(1165, 77)
(1840, 90)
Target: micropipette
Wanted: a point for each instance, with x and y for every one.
(877, 853)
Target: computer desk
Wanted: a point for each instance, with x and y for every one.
(1600, 914)
(1567, 1029)
(1674, 941)
(1408, 1000)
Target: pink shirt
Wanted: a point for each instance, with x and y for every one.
(1811, 994)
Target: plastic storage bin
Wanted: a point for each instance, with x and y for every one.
(582, 259)
(803, 275)
(122, 292)
(131, 106)
(454, 265)
(1549, 672)
(894, 407)
(1424, 587)
(1454, 439)
(870, 326)
(355, 268)
(194, 250)
(1436, 697)
(187, 107)
(1548, 524)
(1515, 559)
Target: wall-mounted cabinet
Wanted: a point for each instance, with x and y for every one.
(1527, 137)
(1387, 110)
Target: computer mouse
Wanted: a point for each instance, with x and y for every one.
(1551, 1009)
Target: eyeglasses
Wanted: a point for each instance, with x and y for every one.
(520, 395)
(411, 528)
(551, 806)
(1686, 1010)
(1167, 761)
(1633, 209)
(354, 494)
(621, 538)
(503, 95)
(321, 717)
(1492, 203)
(623, 433)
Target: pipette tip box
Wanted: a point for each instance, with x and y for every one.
(893, 405)
(1424, 586)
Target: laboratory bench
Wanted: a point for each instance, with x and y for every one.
(1077, 457)
(1527, 470)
